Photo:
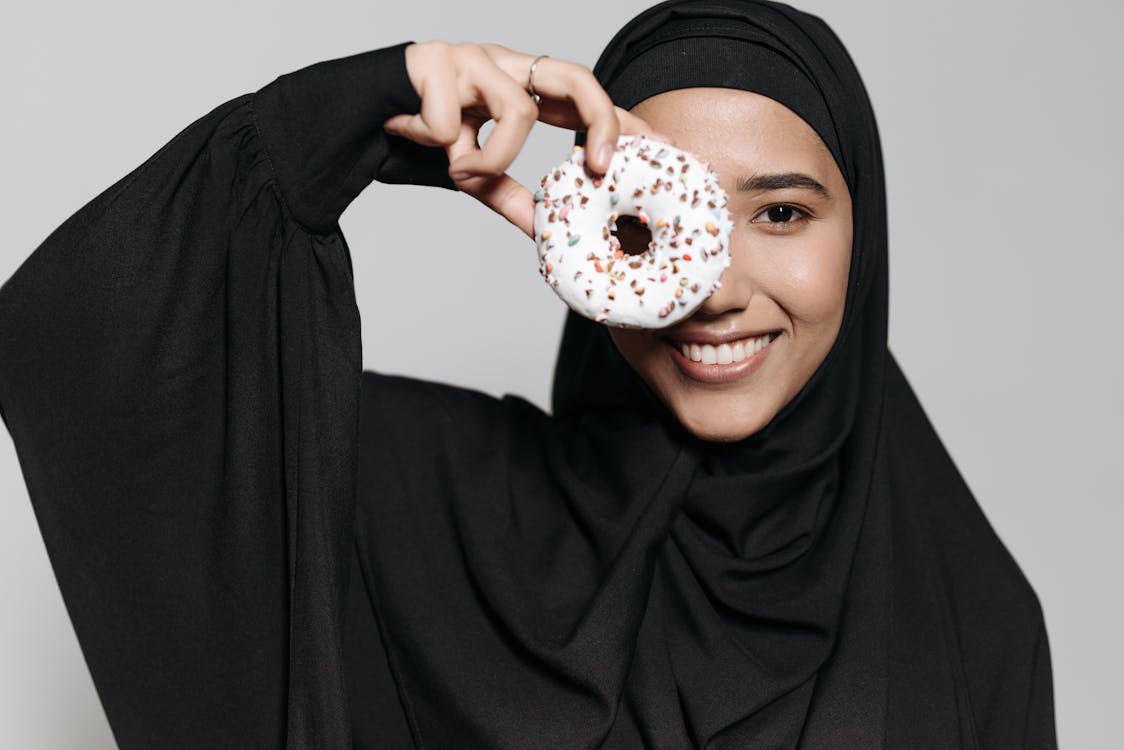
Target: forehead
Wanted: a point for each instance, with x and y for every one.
(739, 132)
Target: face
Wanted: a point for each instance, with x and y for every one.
(785, 287)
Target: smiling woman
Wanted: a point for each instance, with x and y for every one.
(730, 368)
(741, 531)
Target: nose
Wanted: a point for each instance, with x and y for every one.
(736, 288)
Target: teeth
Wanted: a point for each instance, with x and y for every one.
(725, 354)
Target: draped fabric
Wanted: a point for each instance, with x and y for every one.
(261, 545)
(180, 372)
(625, 585)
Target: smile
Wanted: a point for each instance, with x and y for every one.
(722, 363)
(728, 353)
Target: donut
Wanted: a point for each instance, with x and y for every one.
(668, 191)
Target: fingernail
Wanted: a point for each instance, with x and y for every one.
(605, 155)
(458, 176)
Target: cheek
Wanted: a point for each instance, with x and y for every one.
(810, 278)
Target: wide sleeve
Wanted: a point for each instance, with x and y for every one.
(180, 372)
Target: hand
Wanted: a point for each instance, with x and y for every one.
(463, 86)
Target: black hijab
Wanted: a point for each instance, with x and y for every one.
(770, 527)
(610, 581)
(180, 371)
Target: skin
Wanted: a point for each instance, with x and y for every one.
(788, 269)
(790, 249)
(463, 86)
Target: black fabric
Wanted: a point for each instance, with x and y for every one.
(180, 373)
(687, 53)
(262, 546)
(814, 516)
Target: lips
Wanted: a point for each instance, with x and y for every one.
(720, 359)
(727, 352)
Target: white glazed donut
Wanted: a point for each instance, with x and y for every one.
(675, 195)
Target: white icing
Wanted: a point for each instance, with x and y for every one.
(578, 255)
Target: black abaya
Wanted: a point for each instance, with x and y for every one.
(260, 545)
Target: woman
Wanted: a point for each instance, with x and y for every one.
(261, 546)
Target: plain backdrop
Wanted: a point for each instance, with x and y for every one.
(1001, 127)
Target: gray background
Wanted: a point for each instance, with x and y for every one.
(1001, 126)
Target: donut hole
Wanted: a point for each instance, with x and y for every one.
(633, 235)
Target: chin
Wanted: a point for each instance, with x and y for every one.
(717, 424)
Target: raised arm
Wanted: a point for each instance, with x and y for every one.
(322, 129)
(180, 372)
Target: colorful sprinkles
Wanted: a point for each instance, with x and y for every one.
(668, 191)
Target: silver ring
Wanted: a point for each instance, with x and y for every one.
(531, 79)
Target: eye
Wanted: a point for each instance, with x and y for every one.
(783, 215)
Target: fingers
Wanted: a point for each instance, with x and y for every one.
(433, 73)
(567, 87)
(573, 98)
(564, 115)
(440, 106)
(514, 113)
(501, 193)
(600, 116)
(505, 196)
(461, 86)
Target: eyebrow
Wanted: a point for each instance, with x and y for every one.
(780, 181)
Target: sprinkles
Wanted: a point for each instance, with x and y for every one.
(669, 194)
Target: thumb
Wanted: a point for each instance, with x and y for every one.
(413, 127)
(502, 193)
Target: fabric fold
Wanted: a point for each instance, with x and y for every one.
(180, 370)
(322, 126)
